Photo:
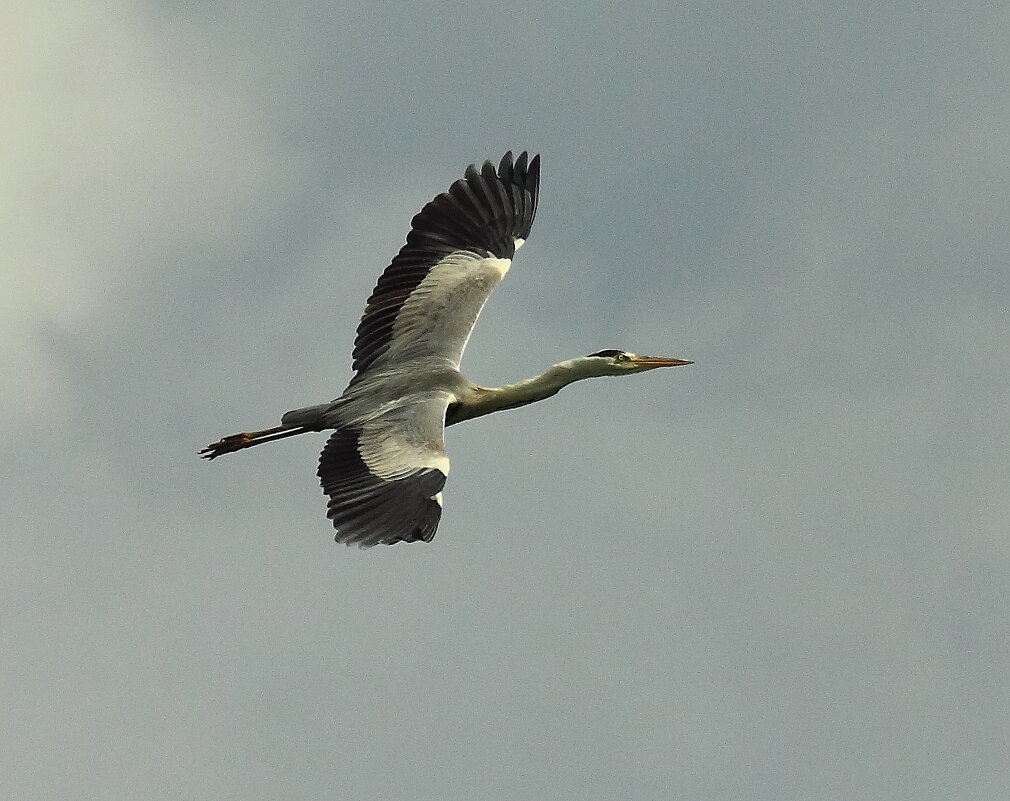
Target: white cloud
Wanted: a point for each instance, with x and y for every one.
(112, 146)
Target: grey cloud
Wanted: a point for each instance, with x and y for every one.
(779, 573)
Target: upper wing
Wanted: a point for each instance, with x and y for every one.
(385, 476)
(459, 247)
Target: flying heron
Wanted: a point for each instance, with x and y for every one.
(385, 465)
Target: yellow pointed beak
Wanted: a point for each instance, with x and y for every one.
(648, 362)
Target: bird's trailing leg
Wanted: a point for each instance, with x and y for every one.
(247, 439)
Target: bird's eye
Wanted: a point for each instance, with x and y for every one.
(621, 357)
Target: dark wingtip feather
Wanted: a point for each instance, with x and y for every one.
(505, 167)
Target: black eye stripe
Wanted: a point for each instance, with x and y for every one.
(611, 353)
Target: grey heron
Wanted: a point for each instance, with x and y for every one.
(385, 465)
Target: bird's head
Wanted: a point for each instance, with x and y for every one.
(620, 362)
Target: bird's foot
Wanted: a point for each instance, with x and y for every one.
(247, 439)
(229, 444)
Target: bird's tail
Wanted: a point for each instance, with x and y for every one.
(247, 439)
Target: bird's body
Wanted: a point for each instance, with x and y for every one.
(385, 464)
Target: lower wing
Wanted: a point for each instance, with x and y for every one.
(385, 476)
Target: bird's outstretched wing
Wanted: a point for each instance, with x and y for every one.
(385, 476)
(459, 247)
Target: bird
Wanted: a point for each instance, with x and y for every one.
(384, 466)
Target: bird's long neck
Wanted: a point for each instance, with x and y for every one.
(484, 400)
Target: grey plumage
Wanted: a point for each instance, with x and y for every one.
(385, 465)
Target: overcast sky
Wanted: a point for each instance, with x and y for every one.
(781, 573)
